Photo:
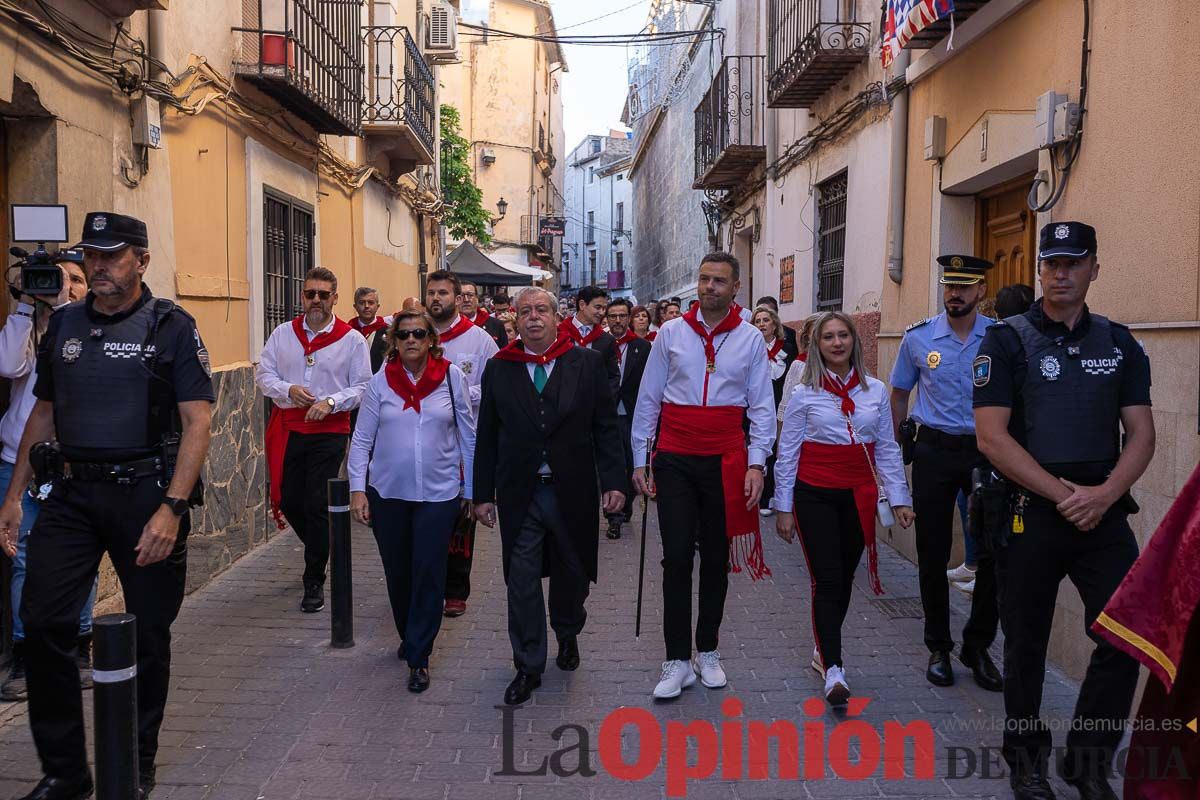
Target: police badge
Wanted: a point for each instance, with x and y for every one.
(933, 360)
(1062, 232)
(1051, 369)
(72, 349)
(99, 222)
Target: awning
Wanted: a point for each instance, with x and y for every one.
(469, 263)
(536, 273)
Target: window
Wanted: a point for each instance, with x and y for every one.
(287, 255)
(591, 228)
(591, 266)
(591, 175)
(620, 218)
(595, 146)
(620, 260)
(831, 255)
(620, 176)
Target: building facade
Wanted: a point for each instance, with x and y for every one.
(598, 245)
(509, 99)
(251, 160)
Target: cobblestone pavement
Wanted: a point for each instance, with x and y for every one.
(262, 707)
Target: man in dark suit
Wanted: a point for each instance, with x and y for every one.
(547, 408)
(586, 329)
(469, 306)
(790, 345)
(632, 352)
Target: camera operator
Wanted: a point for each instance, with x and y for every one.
(17, 361)
(124, 382)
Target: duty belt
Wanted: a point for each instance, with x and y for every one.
(946, 441)
(127, 472)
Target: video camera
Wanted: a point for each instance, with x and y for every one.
(40, 273)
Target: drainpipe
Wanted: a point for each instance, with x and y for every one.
(156, 32)
(898, 182)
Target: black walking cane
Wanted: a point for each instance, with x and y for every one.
(637, 628)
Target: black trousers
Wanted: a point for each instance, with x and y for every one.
(625, 424)
(311, 461)
(768, 480)
(1029, 571)
(458, 565)
(832, 537)
(691, 509)
(938, 475)
(543, 538)
(78, 524)
(413, 539)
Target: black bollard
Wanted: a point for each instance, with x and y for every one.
(341, 585)
(114, 671)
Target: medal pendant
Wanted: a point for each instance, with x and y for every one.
(711, 368)
(310, 359)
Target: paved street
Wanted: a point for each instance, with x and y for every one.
(263, 708)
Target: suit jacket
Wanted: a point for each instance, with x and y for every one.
(495, 329)
(378, 348)
(606, 346)
(790, 344)
(636, 353)
(571, 426)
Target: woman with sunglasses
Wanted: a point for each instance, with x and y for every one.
(836, 455)
(415, 430)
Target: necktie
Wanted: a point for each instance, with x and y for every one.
(540, 377)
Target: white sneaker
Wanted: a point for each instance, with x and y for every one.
(968, 587)
(766, 512)
(708, 667)
(837, 691)
(817, 664)
(676, 676)
(960, 574)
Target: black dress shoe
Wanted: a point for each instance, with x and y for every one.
(568, 654)
(314, 597)
(614, 529)
(418, 679)
(1091, 788)
(983, 668)
(62, 789)
(940, 673)
(400, 652)
(146, 783)
(521, 688)
(1030, 787)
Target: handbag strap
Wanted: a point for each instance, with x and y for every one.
(866, 453)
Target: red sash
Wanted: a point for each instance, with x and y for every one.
(844, 466)
(629, 336)
(402, 385)
(481, 316)
(458, 329)
(515, 351)
(713, 431)
(567, 327)
(366, 330)
(283, 423)
(775, 348)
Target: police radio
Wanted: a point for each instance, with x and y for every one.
(40, 273)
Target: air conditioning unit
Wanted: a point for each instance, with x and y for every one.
(488, 156)
(441, 34)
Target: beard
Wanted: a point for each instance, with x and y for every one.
(960, 311)
(444, 313)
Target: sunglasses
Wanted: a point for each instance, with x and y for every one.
(418, 334)
(313, 294)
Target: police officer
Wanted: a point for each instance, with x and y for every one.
(936, 353)
(1054, 387)
(124, 384)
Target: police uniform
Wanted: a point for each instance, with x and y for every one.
(932, 357)
(115, 382)
(1066, 388)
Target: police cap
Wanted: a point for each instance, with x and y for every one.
(963, 270)
(1066, 240)
(109, 231)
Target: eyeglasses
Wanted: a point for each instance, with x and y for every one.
(418, 334)
(313, 294)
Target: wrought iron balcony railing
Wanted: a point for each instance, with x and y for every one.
(812, 45)
(307, 54)
(400, 91)
(730, 123)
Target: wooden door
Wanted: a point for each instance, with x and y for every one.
(1006, 234)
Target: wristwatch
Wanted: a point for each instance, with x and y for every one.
(178, 507)
(332, 405)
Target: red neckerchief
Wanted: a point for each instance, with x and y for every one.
(629, 336)
(567, 327)
(651, 336)
(481, 316)
(367, 330)
(431, 378)
(458, 329)
(339, 330)
(731, 321)
(515, 351)
(775, 348)
(842, 390)
(735, 308)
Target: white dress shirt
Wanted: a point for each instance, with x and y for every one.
(413, 456)
(676, 372)
(469, 352)
(340, 370)
(18, 362)
(815, 415)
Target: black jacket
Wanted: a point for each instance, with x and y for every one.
(495, 329)
(636, 353)
(570, 426)
(606, 346)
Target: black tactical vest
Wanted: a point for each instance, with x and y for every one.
(105, 395)
(1071, 394)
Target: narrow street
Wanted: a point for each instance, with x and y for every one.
(262, 708)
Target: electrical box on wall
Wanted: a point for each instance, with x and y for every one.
(1055, 120)
(488, 156)
(935, 138)
(147, 123)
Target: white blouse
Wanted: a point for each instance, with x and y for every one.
(413, 456)
(815, 415)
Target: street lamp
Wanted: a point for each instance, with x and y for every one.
(502, 207)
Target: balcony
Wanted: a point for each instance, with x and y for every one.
(119, 9)
(729, 125)
(813, 44)
(308, 56)
(930, 35)
(398, 114)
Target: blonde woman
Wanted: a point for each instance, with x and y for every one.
(836, 438)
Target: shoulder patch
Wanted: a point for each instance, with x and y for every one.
(981, 370)
(919, 323)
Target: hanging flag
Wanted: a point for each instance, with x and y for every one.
(904, 19)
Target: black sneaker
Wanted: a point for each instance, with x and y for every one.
(83, 660)
(13, 688)
(314, 597)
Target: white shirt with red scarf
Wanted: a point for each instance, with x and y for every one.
(469, 349)
(676, 373)
(340, 370)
